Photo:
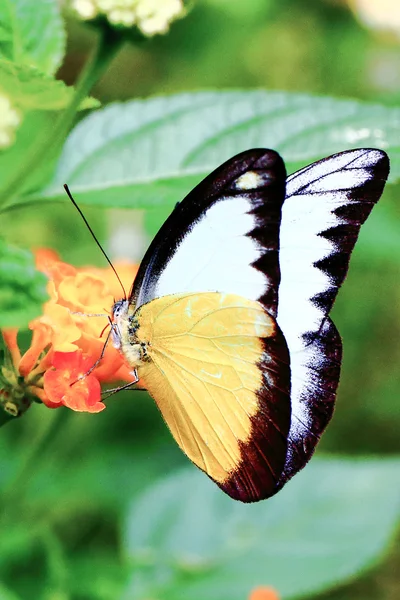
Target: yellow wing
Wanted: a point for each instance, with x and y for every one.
(217, 366)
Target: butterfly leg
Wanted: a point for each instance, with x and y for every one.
(125, 387)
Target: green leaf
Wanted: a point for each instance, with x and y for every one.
(144, 154)
(34, 125)
(30, 89)
(22, 288)
(190, 541)
(32, 33)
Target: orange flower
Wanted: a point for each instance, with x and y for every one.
(66, 340)
(66, 384)
(263, 593)
(32, 359)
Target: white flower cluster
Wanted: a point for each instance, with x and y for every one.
(10, 118)
(384, 14)
(150, 16)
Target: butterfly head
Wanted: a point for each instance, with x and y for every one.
(119, 318)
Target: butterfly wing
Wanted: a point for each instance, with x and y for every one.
(326, 204)
(217, 366)
(224, 236)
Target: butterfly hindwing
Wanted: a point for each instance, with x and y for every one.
(326, 204)
(217, 366)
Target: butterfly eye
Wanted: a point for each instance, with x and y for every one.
(117, 309)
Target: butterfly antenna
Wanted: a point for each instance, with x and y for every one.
(66, 188)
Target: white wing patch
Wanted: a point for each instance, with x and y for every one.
(216, 254)
(303, 218)
(358, 159)
(312, 197)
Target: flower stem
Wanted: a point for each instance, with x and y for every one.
(50, 143)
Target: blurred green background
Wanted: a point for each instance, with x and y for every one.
(90, 472)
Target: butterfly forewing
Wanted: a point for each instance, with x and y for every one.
(224, 236)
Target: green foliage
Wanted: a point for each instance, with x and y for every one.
(5, 418)
(14, 161)
(83, 507)
(31, 89)
(189, 541)
(31, 48)
(22, 288)
(6, 364)
(77, 529)
(32, 33)
(7, 594)
(149, 153)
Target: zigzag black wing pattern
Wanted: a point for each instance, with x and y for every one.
(326, 204)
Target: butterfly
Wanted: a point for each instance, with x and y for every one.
(227, 323)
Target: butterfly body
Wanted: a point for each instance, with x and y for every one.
(227, 322)
(124, 334)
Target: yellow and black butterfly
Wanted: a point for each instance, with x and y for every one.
(227, 321)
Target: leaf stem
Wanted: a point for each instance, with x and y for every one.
(49, 144)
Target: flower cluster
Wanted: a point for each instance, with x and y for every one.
(66, 341)
(10, 118)
(150, 16)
